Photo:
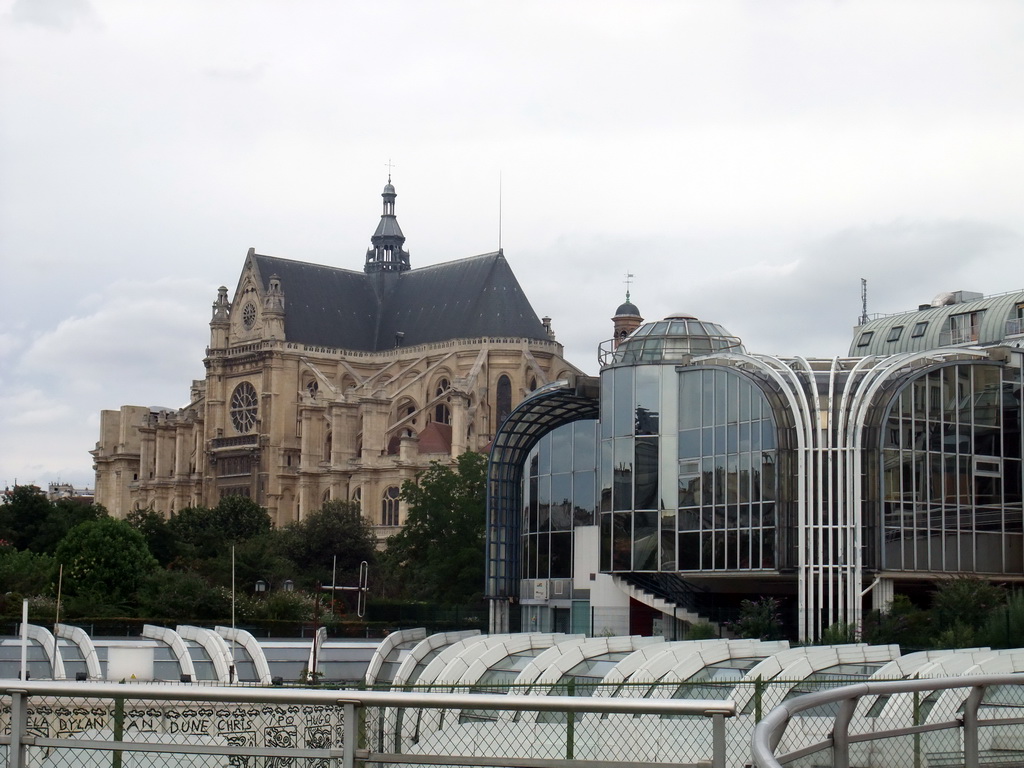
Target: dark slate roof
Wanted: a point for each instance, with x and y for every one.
(469, 298)
(627, 309)
(388, 227)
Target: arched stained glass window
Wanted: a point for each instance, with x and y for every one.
(389, 506)
(504, 398)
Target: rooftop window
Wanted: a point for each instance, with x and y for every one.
(865, 338)
(895, 333)
(919, 330)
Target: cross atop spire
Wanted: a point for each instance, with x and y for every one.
(389, 165)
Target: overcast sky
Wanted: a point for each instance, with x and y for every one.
(748, 162)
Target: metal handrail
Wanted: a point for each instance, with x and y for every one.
(769, 732)
(363, 698)
(349, 752)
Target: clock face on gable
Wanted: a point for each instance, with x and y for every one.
(249, 315)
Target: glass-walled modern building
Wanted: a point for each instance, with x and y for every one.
(722, 474)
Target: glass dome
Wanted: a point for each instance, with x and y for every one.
(669, 340)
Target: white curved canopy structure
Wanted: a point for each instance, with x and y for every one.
(177, 645)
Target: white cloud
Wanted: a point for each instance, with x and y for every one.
(748, 163)
(142, 344)
(62, 15)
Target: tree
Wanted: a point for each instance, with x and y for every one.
(105, 562)
(759, 619)
(24, 509)
(239, 519)
(336, 529)
(967, 601)
(439, 554)
(29, 520)
(160, 539)
(182, 596)
(64, 515)
(26, 572)
(1004, 627)
(205, 533)
(903, 623)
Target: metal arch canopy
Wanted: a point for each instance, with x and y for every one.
(550, 407)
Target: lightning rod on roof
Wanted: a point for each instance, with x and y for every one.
(499, 211)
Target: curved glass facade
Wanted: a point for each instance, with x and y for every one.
(727, 478)
(560, 493)
(834, 483)
(951, 472)
(687, 479)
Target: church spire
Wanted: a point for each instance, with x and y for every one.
(386, 253)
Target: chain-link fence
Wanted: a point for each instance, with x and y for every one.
(882, 725)
(66, 724)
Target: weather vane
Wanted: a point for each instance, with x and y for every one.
(627, 281)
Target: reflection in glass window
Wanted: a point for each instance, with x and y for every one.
(919, 329)
(951, 472)
(865, 338)
(726, 473)
(559, 494)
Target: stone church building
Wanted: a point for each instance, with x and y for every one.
(329, 383)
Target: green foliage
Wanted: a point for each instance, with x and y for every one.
(26, 572)
(1004, 627)
(261, 558)
(966, 601)
(24, 509)
(41, 608)
(702, 630)
(65, 514)
(336, 529)
(182, 595)
(29, 520)
(206, 533)
(838, 634)
(904, 623)
(957, 635)
(439, 555)
(285, 606)
(105, 562)
(239, 518)
(160, 539)
(759, 619)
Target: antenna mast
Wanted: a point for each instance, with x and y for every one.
(863, 301)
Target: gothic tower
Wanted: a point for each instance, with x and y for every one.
(386, 253)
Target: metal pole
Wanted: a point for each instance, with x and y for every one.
(348, 759)
(917, 734)
(117, 756)
(718, 740)
(570, 721)
(841, 734)
(24, 639)
(334, 581)
(231, 670)
(19, 722)
(970, 721)
(60, 584)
